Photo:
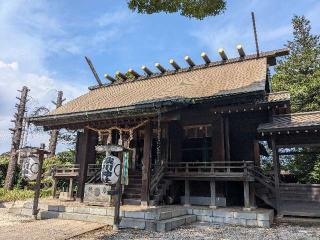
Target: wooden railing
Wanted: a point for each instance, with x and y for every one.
(71, 170)
(205, 169)
(156, 176)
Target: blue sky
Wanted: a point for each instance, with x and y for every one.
(43, 43)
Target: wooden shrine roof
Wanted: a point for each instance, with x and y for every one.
(239, 77)
(293, 121)
(233, 77)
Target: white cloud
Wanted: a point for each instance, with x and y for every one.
(25, 50)
(114, 18)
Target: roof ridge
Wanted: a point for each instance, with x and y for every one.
(273, 53)
(297, 114)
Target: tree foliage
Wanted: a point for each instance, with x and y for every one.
(299, 73)
(198, 9)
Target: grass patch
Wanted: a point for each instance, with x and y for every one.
(20, 194)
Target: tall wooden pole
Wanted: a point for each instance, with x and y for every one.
(16, 138)
(54, 133)
(35, 210)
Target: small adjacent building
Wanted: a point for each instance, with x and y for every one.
(196, 134)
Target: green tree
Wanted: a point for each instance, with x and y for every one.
(198, 9)
(299, 73)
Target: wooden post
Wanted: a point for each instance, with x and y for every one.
(85, 154)
(246, 194)
(252, 196)
(116, 219)
(186, 193)
(276, 168)
(54, 133)
(54, 188)
(71, 188)
(218, 149)
(16, 138)
(226, 139)
(35, 210)
(146, 161)
(213, 194)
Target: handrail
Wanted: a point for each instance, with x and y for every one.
(156, 178)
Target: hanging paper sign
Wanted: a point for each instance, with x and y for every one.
(109, 148)
(110, 169)
(30, 168)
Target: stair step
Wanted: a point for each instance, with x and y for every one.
(159, 226)
(132, 195)
(132, 191)
(128, 201)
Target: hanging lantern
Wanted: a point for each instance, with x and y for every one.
(110, 169)
(30, 168)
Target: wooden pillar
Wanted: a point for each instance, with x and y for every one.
(252, 196)
(85, 154)
(218, 150)
(146, 162)
(54, 188)
(186, 193)
(256, 153)
(246, 194)
(276, 169)
(71, 188)
(213, 194)
(226, 139)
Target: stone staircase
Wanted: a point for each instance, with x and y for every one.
(160, 220)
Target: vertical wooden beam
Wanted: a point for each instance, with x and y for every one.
(276, 167)
(186, 193)
(256, 153)
(252, 196)
(54, 188)
(246, 194)
(36, 197)
(226, 138)
(85, 154)
(71, 188)
(146, 162)
(213, 194)
(218, 149)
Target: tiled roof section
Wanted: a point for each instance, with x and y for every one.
(282, 96)
(291, 121)
(232, 78)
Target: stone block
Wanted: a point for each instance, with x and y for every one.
(179, 212)
(266, 215)
(98, 211)
(28, 205)
(81, 210)
(262, 223)
(100, 219)
(189, 210)
(222, 213)
(132, 223)
(217, 219)
(236, 221)
(134, 214)
(75, 216)
(54, 208)
(49, 215)
(68, 209)
(151, 226)
(164, 226)
(246, 215)
(178, 222)
(191, 219)
(26, 211)
(252, 223)
(202, 212)
(203, 218)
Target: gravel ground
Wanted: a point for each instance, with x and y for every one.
(210, 231)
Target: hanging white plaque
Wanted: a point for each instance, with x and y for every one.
(110, 169)
(30, 168)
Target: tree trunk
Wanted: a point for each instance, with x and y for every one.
(16, 139)
(54, 133)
